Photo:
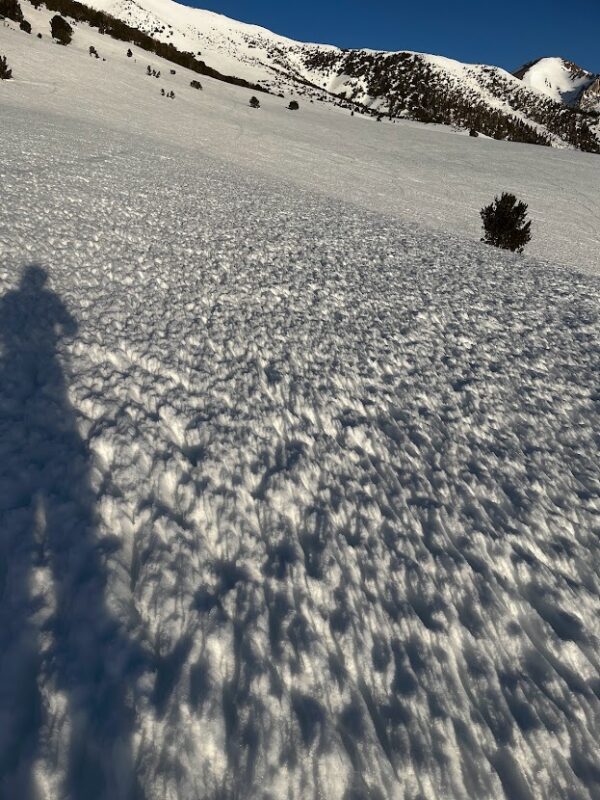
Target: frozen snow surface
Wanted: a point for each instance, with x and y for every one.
(299, 498)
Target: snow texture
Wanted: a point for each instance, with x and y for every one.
(298, 499)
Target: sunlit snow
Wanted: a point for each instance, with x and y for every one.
(557, 79)
(299, 482)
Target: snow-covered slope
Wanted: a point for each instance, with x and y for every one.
(563, 81)
(230, 46)
(299, 491)
(425, 173)
(423, 87)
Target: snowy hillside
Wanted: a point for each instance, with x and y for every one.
(299, 486)
(403, 84)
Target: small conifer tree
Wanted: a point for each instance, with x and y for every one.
(293, 106)
(11, 10)
(5, 71)
(505, 223)
(129, 53)
(254, 102)
(61, 30)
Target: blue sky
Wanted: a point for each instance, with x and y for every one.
(503, 32)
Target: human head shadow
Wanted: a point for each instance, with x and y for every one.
(56, 629)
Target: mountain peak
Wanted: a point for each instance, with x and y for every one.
(560, 79)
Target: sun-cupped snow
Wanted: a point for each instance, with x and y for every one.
(298, 496)
(297, 501)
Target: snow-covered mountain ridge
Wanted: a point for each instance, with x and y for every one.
(424, 87)
(563, 81)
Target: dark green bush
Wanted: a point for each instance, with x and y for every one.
(61, 30)
(11, 10)
(5, 71)
(293, 106)
(505, 223)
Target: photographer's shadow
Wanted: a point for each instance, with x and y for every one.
(55, 627)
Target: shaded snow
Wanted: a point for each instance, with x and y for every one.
(299, 498)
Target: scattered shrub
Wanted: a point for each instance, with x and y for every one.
(505, 223)
(171, 95)
(148, 70)
(93, 51)
(473, 133)
(11, 10)
(162, 91)
(293, 106)
(61, 30)
(254, 102)
(173, 71)
(195, 84)
(25, 26)
(5, 71)
(129, 53)
(39, 35)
